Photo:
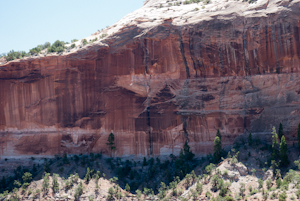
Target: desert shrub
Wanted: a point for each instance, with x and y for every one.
(103, 35)
(127, 187)
(12, 55)
(55, 184)
(209, 168)
(148, 191)
(191, 1)
(199, 187)
(111, 193)
(282, 196)
(208, 194)
(298, 194)
(242, 189)
(84, 42)
(138, 194)
(217, 183)
(87, 177)
(269, 184)
(68, 185)
(46, 182)
(278, 183)
(39, 48)
(78, 191)
(260, 183)
(273, 196)
(27, 177)
(73, 45)
(57, 46)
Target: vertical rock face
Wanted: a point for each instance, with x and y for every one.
(157, 84)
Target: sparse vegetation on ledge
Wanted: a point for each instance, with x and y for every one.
(57, 46)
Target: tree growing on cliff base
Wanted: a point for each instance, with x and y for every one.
(283, 152)
(111, 143)
(275, 153)
(217, 149)
(187, 153)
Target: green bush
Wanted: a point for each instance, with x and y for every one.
(282, 196)
(27, 177)
(57, 46)
(55, 184)
(84, 42)
(46, 182)
(39, 48)
(12, 55)
(199, 187)
(191, 1)
(111, 193)
(78, 191)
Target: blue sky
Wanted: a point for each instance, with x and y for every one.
(28, 23)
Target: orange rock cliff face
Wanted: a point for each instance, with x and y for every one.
(157, 84)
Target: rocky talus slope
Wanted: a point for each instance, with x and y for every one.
(164, 74)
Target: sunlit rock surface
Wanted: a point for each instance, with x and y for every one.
(163, 75)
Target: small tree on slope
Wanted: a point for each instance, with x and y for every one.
(111, 143)
(283, 152)
(217, 149)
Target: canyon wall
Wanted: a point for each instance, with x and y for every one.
(157, 87)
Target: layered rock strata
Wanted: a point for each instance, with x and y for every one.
(156, 83)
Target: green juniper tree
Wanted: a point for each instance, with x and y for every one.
(283, 152)
(46, 182)
(187, 153)
(87, 177)
(127, 187)
(111, 143)
(217, 149)
(27, 177)
(55, 184)
(275, 153)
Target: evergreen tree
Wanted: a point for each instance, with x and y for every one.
(275, 153)
(298, 136)
(187, 153)
(46, 182)
(127, 187)
(280, 131)
(87, 177)
(217, 149)
(55, 184)
(27, 177)
(111, 143)
(283, 152)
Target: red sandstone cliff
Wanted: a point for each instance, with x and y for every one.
(163, 75)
